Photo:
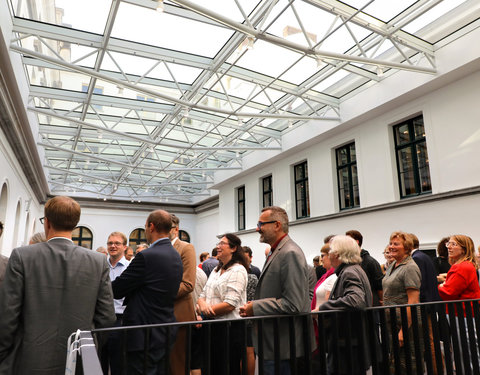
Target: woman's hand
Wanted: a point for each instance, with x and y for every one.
(441, 278)
(203, 308)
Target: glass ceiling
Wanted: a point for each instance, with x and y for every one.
(145, 100)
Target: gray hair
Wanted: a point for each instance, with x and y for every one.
(346, 249)
(278, 214)
(37, 238)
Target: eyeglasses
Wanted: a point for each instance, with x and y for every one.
(222, 243)
(260, 223)
(41, 220)
(114, 243)
(452, 243)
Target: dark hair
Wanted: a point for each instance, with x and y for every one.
(161, 220)
(203, 256)
(247, 250)
(328, 238)
(1, 225)
(356, 235)
(63, 213)
(214, 252)
(237, 257)
(175, 220)
(442, 247)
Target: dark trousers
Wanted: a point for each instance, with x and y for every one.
(112, 351)
(221, 349)
(155, 362)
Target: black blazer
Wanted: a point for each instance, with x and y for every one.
(150, 284)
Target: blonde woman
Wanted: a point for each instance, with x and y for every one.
(461, 283)
(401, 285)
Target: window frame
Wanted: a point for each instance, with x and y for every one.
(139, 239)
(78, 240)
(305, 200)
(241, 208)
(267, 193)
(412, 144)
(348, 166)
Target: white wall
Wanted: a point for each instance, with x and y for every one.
(451, 115)
(19, 193)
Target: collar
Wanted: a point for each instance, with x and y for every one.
(274, 246)
(60, 238)
(160, 239)
(174, 240)
(413, 251)
(123, 261)
(402, 262)
(340, 268)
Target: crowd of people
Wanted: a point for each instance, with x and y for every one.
(52, 287)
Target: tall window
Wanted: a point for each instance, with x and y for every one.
(412, 158)
(302, 198)
(137, 236)
(82, 236)
(267, 191)
(347, 177)
(241, 208)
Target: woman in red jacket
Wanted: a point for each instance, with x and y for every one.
(462, 281)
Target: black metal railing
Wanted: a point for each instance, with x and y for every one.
(436, 338)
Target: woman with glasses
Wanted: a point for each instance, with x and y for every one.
(224, 293)
(388, 260)
(320, 295)
(461, 283)
(401, 285)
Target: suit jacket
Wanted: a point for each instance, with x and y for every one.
(283, 288)
(3, 268)
(183, 307)
(150, 286)
(50, 290)
(429, 284)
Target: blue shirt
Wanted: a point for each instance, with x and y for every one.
(116, 271)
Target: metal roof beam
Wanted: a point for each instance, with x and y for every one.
(374, 24)
(248, 31)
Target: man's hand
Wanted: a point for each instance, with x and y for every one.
(247, 309)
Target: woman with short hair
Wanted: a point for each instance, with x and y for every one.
(350, 292)
(401, 285)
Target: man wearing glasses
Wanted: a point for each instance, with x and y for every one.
(111, 353)
(50, 290)
(283, 288)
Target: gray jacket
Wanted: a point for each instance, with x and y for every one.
(283, 288)
(50, 290)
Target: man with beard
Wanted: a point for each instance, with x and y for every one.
(283, 288)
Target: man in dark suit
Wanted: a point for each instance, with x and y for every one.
(150, 285)
(428, 289)
(183, 307)
(283, 288)
(50, 290)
